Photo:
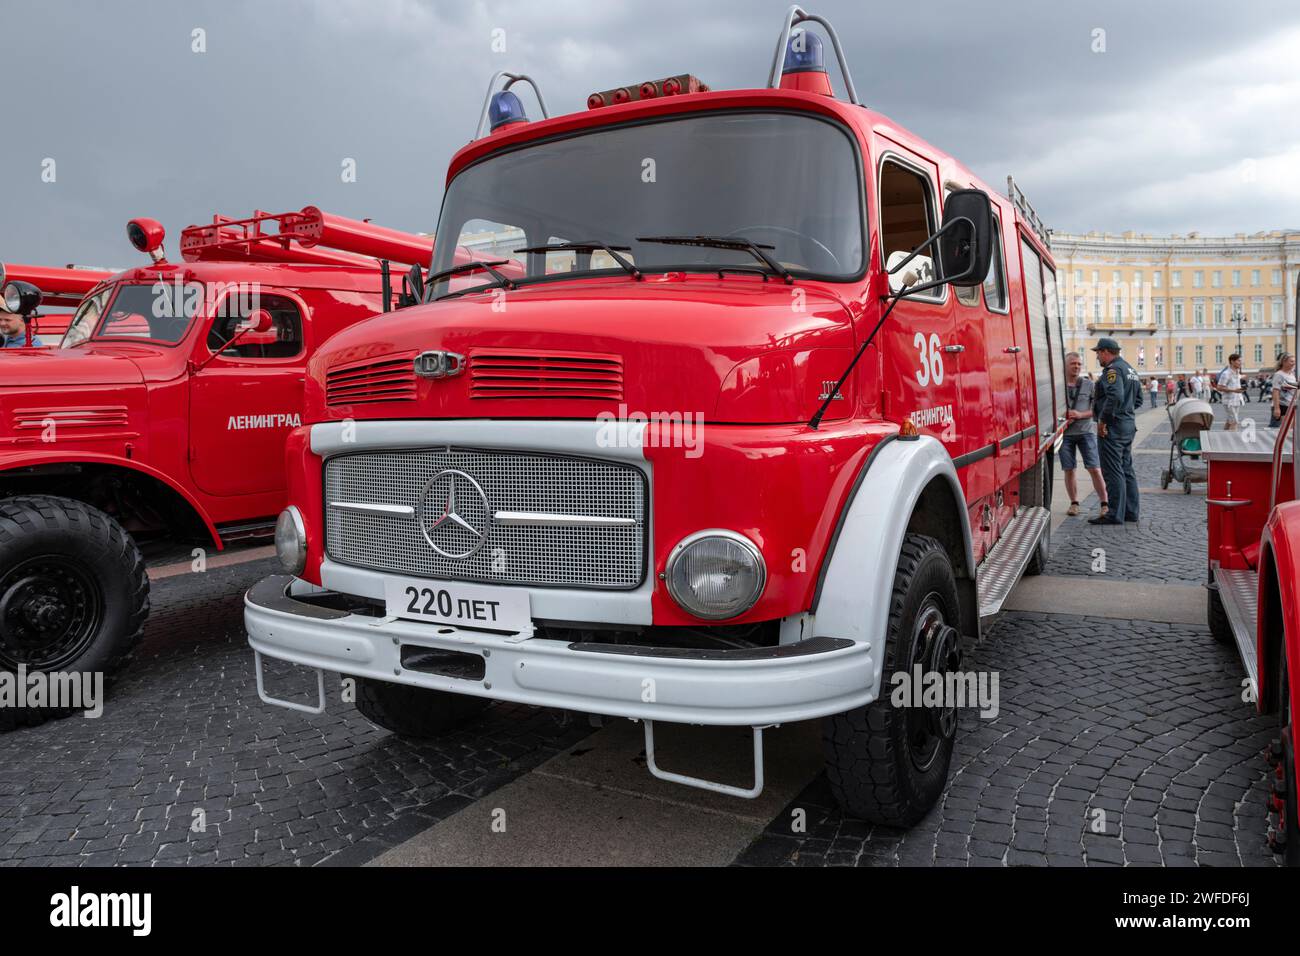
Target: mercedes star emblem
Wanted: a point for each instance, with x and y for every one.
(454, 514)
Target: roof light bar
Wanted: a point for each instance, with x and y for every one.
(678, 85)
(796, 15)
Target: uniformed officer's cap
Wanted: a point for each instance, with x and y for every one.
(1106, 345)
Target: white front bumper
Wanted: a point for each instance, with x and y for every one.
(796, 682)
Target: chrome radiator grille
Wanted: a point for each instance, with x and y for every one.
(492, 516)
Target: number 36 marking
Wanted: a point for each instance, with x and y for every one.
(930, 354)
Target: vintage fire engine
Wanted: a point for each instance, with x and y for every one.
(1253, 598)
(766, 420)
(162, 417)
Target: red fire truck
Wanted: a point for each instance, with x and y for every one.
(766, 420)
(163, 414)
(1253, 598)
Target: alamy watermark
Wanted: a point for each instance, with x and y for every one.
(664, 430)
(60, 690)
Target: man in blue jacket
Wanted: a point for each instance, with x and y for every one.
(1118, 392)
(13, 330)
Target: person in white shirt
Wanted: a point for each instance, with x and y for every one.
(1233, 392)
(1284, 388)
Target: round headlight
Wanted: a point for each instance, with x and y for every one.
(291, 540)
(715, 574)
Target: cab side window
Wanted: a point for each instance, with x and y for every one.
(284, 341)
(995, 283)
(906, 211)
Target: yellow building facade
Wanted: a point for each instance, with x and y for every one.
(1179, 304)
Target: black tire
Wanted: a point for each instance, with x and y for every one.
(74, 594)
(415, 711)
(1165, 478)
(1217, 617)
(1288, 835)
(875, 762)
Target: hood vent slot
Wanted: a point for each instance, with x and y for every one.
(390, 379)
(37, 419)
(518, 373)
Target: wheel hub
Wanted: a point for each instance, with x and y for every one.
(936, 648)
(50, 610)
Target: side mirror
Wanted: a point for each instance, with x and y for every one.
(919, 271)
(966, 239)
(258, 330)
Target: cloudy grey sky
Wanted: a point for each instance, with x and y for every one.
(1188, 120)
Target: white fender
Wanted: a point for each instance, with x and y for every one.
(854, 598)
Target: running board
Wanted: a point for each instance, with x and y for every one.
(1239, 592)
(1005, 564)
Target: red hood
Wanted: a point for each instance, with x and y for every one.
(736, 349)
(40, 368)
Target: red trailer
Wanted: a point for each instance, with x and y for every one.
(163, 415)
(761, 419)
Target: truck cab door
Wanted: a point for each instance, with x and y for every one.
(244, 401)
(921, 352)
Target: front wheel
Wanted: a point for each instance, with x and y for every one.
(74, 594)
(889, 764)
(1217, 618)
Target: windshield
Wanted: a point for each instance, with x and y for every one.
(155, 312)
(787, 181)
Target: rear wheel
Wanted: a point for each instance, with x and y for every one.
(889, 764)
(1284, 802)
(415, 711)
(1217, 618)
(73, 593)
(1038, 561)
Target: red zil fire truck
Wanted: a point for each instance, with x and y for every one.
(767, 419)
(1253, 598)
(163, 414)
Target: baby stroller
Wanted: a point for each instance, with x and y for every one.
(1188, 418)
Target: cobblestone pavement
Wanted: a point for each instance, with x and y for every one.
(187, 765)
(1116, 743)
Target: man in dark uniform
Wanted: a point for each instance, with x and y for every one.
(1117, 395)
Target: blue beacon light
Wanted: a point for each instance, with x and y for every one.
(803, 54)
(504, 109)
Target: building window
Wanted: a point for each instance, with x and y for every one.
(1115, 278)
(1277, 313)
(1216, 279)
(1119, 311)
(1200, 355)
(1218, 315)
(1178, 356)
(1277, 277)
(1096, 309)
(1078, 276)
(1137, 276)
(1198, 315)
(1156, 280)
(1259, 354)
(1160, 314)
(1218, 355)
(1254, 277)
(1096, 277)
(1236, 278)
(1138, 312)
(1176, 278)
(1198, 279)
(1079, 312)
(1178, 315)
(1257, 314)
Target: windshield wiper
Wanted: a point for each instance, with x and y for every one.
(498, 279)
(726, 242)
(613, 251)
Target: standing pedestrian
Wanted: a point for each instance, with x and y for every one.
(1117, 395)
(1170, 385)
(1229, 385)
(1154, 385)
(1080, 435)
(1283, 388)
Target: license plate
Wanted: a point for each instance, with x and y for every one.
(463, 605)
